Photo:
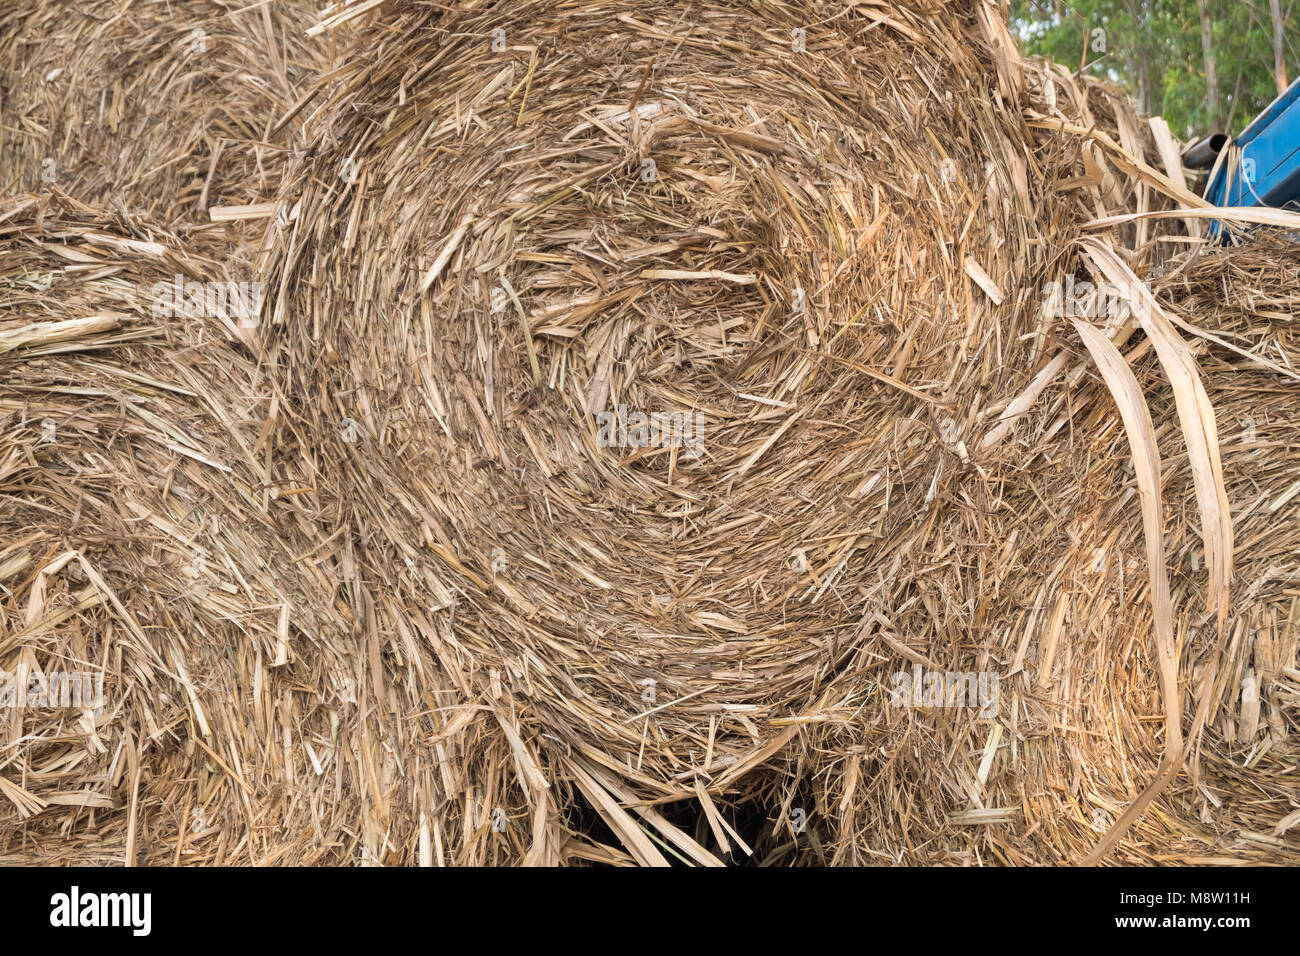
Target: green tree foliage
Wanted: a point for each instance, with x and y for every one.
(1155, 50)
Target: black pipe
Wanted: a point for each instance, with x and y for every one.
(1202, 154)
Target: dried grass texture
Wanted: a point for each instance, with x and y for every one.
(806, 270)
(1082, 610)
(147, 537)
(155, 109)
(481, 260)
(514, 645)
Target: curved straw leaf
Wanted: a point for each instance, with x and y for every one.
(1146, 464)
(1259, 215)
(1195, 415)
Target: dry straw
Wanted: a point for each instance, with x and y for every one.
(827, 231)
(148, 541)
(177, 112)
(481, 615)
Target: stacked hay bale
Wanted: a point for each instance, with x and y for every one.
(645, 406)
(1066, 600)
(1237, 801)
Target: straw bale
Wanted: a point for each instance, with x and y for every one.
(813, 244)
(831, 246)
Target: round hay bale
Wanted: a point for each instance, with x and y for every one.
(646, 357)
(1070, 600)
